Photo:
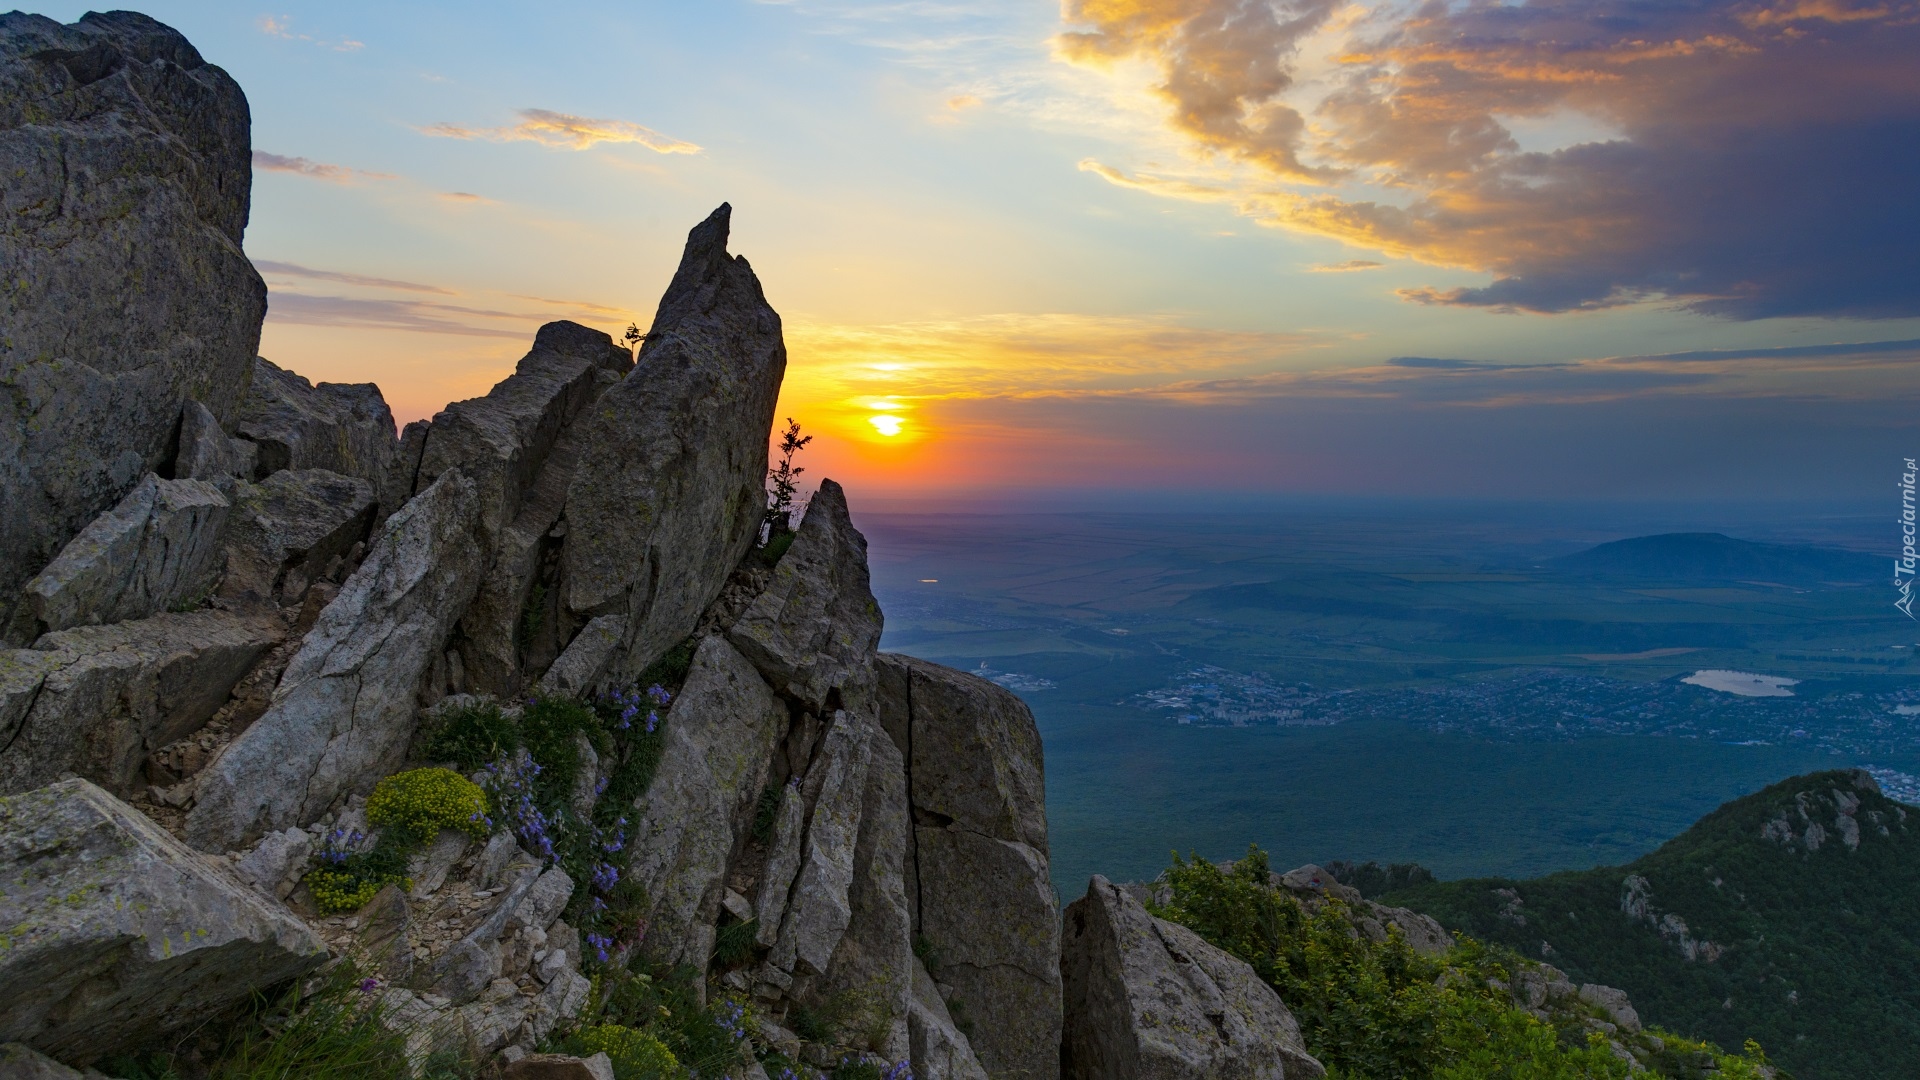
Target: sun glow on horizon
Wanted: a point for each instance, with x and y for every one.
(886, 424)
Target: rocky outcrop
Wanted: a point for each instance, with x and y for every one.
(291, 529)
(819, 907)
(1313, 885)
(206, 451)
(1146, 998)
(519, 445)
(157, 548)
(939, 1049)
(983, 897)
(127, 160)
(814, 628)
(668, 494)
(96, 701)
(116, 932)
(345, 709)
(340, 427)
(721, 734)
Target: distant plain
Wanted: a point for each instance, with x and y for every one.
(1417, 684)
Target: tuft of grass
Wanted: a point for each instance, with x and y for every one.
(733, 944)
(338, 1032)
(472, 736)
(766, 813)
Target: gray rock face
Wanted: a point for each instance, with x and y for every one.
(873, 962)
(18, 1061)
(117, 933)
(206, 452)
(287, 528)
(939, 1050)
(95, 701)
(820, 906)
(158, 547)
(579, 668)
(669, 491)
(982, 896)
(275, 864)
(720, 737)
(500, 441)
(1146, 998)
(1614, 1003)
(128, 165)
(814, 628)
(341, 427)
(344, 711)
(783, 862)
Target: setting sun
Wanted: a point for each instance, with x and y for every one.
(886, 425)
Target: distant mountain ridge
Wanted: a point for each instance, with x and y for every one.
(1790, 916)
(1718, 557)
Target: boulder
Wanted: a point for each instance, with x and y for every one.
(783, 862)
(669, 492)
(720, 737)
(984, 898)
(398, 483)
(559, 1067)
(820, 906)
(293, 424)
(1614, 1003)
(344, 712)
(18, 1061)
(988, 910)
(383, 938)
(289, 528)
(501, 440)
(117, 933)
(814, 628)
(975, 752)
(1146, 998)
(939, 1050)
(128, 166)
(277, 862)
(1424, 933)
(158, 548)
(580, 667)
(205, 451)
(873, 963)
(96, 701)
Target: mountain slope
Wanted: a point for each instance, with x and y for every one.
(1717, 557)
(1790, 916)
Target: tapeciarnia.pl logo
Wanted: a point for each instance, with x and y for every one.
(1905, 563)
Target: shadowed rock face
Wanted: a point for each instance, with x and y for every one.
(982, 895)
(118, 933)
(1147, 999)
(95, 701)
(341, 427)
(669, 494)
(127, 160)
(157, 547)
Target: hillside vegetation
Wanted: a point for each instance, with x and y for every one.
(1790, 916)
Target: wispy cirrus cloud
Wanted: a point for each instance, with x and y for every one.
(287, 269)
(1348, 267)
(281, 26)
(315, 170)
(566, 131)
(1757, 158)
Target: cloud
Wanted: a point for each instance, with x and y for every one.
(568, 132)
(268, 266)
(467, 198)
(1758, 161)
(1347, 267)
(412, 315)
(963, 102)
(317, 170)
(281, 27)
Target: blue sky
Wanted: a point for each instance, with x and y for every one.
(1170, 243)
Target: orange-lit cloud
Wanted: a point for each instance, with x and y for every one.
(315, 170)
(1348, 267)
(466, 198)
(567, 132)
(1756, 164)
